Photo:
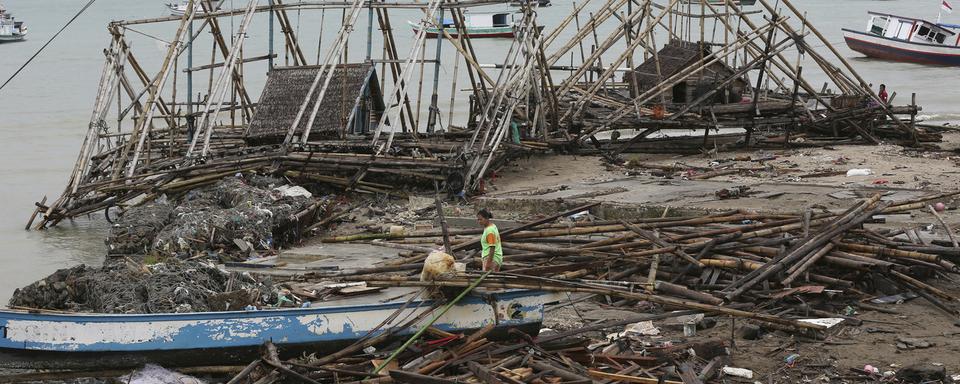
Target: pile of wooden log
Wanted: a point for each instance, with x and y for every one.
(443, 358)
(732, 264)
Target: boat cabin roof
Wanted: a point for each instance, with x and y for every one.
(492, 13)
(929, 24)
(483, 19)
(482, 14)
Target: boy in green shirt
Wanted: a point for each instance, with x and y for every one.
(491, 253)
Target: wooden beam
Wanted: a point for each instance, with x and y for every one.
(218, 65)
(628, 379)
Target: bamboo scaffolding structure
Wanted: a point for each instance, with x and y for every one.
(207, 119)
(141, 131)
(526, 98)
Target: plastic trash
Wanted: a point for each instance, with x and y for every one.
(283, 300)
(898, 298)
(153, 374)
(738, 372)
(791, 360)
(690, 329)
(828, 322)
(859, 172)
(645, 328)
(871, 369)
(293, 191)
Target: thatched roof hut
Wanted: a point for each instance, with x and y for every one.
(676, 56)
(353, 100)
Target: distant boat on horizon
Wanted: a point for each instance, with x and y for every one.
(536, 3)
(476, 25)
(906, 39)
(721, 2)
(180, 8)
(10, 29)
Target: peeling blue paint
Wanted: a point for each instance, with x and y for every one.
(165, 332)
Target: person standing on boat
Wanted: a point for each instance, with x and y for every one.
(491, 253)
(883, 93)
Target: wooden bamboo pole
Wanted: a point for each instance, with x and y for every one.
(557, 286)
(946, 227)
(208, 119)
(142, 128)
(324, 74)
(840, 225)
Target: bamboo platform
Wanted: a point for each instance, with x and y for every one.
(358, 122)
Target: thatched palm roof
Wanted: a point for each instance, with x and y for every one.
(674, 57)
(287, 88)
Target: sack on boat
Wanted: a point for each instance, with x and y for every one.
(436, 265)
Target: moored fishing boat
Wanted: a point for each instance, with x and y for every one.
(180, 8)
(55, 340)
(476, 25)
(536, 3)
(907, 39)
(10, 29)
(720, 2)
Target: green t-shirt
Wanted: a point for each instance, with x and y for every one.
(491, 238)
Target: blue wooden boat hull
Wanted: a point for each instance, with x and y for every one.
(88, 341)
(31, 359)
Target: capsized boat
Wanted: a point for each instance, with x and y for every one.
(477, 25)
(55, 340)
(10, 29)
(907, 39)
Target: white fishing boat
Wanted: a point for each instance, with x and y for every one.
(721, 2)
(535, 3)
(907, 39)
(10, 29)
(477, 25)
(180, 8)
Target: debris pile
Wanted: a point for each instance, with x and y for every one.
(231, 218)
(136, 230)
(553, 358)
(123, 286)
(809, 275)
(737, 84)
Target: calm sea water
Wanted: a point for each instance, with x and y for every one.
(44, 112)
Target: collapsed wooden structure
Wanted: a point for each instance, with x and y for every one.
(367, 123)
(810, 275)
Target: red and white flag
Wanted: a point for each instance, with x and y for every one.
(946, 6)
